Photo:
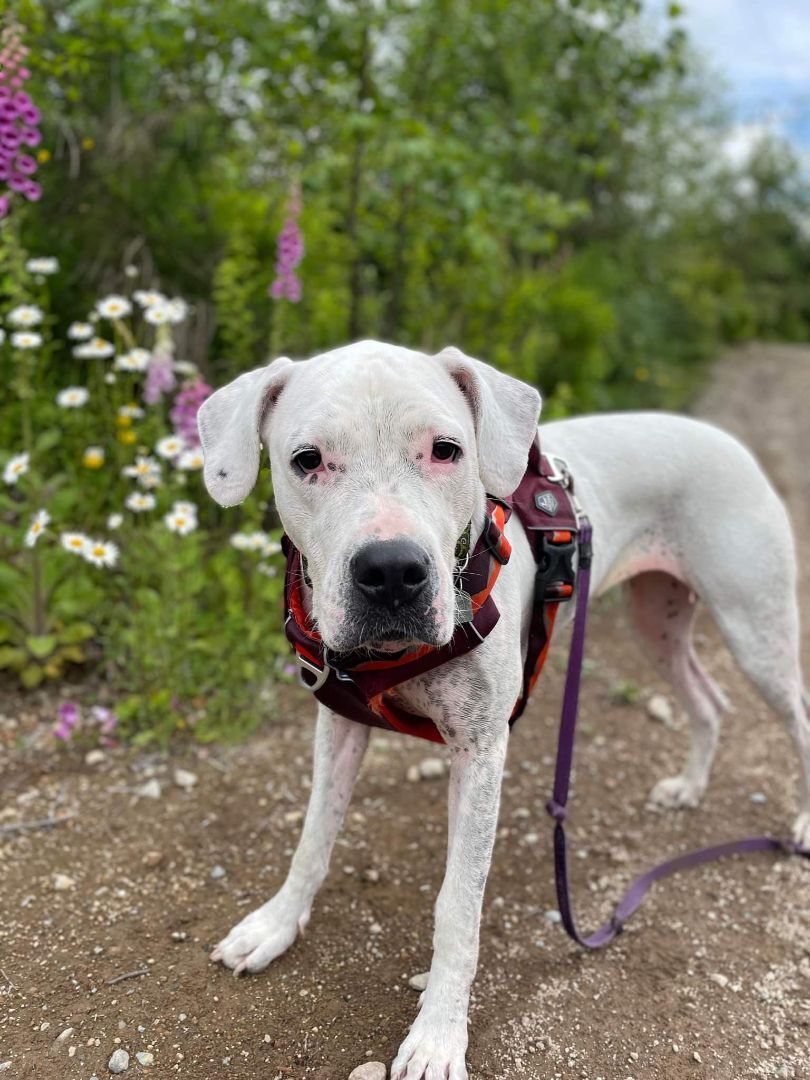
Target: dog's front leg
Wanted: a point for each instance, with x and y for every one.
(270, 930)
(436, 1045)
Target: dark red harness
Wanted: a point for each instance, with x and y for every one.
(357, 686)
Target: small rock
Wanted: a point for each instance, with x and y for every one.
(412, 775)
(697, 1057)
(371, 875)
(119, 1062)
(145, 1058)
(419, 982)
(217, 872)
(185, 779)
(431, 768)
(149, 790)
(758, 797)
(721, 980)
(179, 935)
(552, 916)
(5, 1065)
(369, 1070)
(152, 859)
(61, 882)
(375, 928)
(63, 1036)
(94, 757)
(659, 708)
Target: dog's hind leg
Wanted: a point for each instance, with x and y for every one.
(663, 609)
(764, 638)
(269, 931)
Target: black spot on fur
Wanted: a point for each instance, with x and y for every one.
(222, 474)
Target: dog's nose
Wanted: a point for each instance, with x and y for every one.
(390, 573)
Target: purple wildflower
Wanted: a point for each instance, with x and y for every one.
(160, 376)
(68, 718)
(19, 121)
(106, 718)
(290, 251)
(184, 411)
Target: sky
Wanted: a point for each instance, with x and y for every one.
(762, 48)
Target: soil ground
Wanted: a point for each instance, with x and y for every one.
(711, 978)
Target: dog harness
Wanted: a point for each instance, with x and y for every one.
(357, 685)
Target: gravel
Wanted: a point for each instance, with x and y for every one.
(119, 1062)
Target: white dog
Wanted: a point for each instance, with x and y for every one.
(372, 443)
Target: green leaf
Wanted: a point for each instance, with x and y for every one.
(11, 657)
(79, 631)
(31, 676)
(41, 645)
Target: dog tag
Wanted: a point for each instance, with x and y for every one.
(464, 611)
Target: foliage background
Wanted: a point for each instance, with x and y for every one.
(537, 181)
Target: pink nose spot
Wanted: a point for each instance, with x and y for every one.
(388, 522)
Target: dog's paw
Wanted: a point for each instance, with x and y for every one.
(801, 830)
(432, 1051)
(675, 793)
(259, 938)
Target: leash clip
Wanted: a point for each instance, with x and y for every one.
(319, 675)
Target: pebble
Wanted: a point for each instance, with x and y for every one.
(185, 779)
(61, 882)
(721, 980)
(119, 1062)
(552, 915)
(431, 768)
(145, 1058)
(758, 798)
(369, 1070)
(412, 775)
(152, 858)
(63, 1036)
(94, 757)
(5, 1065)
(419, 982)
(218, 872)
(371, 875)
(659, 708)
(149, 790)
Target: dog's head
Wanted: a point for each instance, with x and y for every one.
(381, 458)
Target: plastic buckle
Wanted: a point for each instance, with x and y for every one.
(320, 675)
(555, 577)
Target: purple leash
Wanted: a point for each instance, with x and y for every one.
(557, 804)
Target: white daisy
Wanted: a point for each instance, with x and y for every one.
(257, 541)
(134, 412)
(109, 378)
(95, 348)
(134, 360)
(114, 307)
(267, 569)
(38, 523)
(80, 331)
(131, 270)
(145, 470)
(25, 315)
(115, 521)
(185, 508)
(72, 398)
(158, 314)
(177, 310)
(190, 460)
(26, 339)
(170, 446)
(149, 297)
(45, 264)
(137, 501)
(16, 467)
(179, 522)
(75, 542)
(101, 552)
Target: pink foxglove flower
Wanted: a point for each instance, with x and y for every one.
(286, 284)
(160, 378)
(184, 411)
(68, 718)
(19, 122)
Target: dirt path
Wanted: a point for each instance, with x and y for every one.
(712, 978)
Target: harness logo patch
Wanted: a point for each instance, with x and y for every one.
(547, 502)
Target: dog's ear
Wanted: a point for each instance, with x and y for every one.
(505, 411)
(230, 422)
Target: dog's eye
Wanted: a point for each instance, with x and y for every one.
(445, 450)
(307, 460)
